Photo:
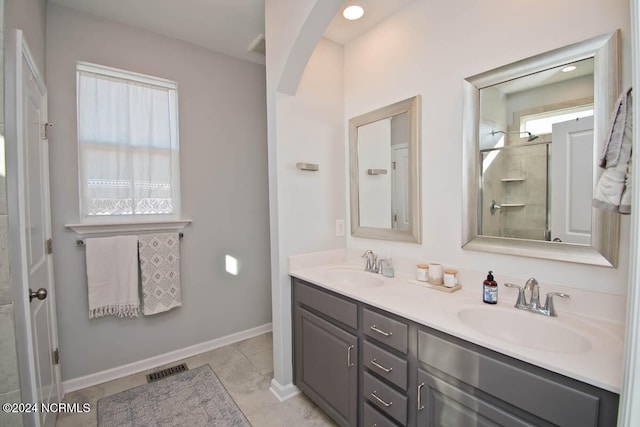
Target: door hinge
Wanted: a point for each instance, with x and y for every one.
(395, 217)
(48, 246)
(56, 356)
(393, 164)
(46, 127)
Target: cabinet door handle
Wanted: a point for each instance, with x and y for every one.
(377, 365)
(349, 362)
(375, 396)
(420, 405)
(381, 332)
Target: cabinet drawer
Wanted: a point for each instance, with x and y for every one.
(330, 305)
(550, 400)
(386, 330)
(385, 398)
(385, 364)
(373, 418)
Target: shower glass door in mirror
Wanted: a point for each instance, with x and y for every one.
(537, 150)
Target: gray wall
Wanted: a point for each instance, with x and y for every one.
(29, 16)
(222, 112)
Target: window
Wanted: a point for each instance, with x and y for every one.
(541, 123)
(128, 145)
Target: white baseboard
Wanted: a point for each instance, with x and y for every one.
(162, 359)
(283, 392)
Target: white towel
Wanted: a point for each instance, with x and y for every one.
(160, 269)
(613, 191)
(112, 276)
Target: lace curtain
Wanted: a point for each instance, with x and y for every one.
(128, 147)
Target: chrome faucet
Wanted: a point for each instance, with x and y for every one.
(372, 261)
(533, 305)
(531, 285)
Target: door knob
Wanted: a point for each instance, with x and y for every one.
(40, 294)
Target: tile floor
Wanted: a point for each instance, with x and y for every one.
(245, 369)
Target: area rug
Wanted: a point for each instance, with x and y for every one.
(192, 398)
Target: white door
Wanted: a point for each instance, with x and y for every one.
(400, 186)
(34, 219)
(572, 180)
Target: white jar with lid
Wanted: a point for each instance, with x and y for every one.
(450, 278)
(422, 272)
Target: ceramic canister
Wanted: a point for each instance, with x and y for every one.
(435, 274)
(422, 272)
(450, 278)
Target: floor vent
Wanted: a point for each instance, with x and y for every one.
(164, 373)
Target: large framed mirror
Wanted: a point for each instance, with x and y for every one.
(384, 169)
(532, 135)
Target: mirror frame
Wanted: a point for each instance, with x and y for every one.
(605, 226)
(414, 234)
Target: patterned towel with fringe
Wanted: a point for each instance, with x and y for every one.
(112, 276)
(160, 270)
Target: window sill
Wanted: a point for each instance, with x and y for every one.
(127, 227)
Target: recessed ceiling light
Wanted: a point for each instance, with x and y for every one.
(568, 68)
(353, 12)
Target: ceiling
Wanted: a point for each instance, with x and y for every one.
(232, 27)
(584, 67)
(342, 31)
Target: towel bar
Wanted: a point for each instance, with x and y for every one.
(81, 242)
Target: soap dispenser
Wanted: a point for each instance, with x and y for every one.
(387, 266)
(490, 290)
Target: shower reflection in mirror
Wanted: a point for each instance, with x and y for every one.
(537, 155)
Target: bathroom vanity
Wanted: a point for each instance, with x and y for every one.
(365, 362)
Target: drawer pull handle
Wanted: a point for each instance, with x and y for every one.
(381, 332)
(349, 362)
(375, 396)
(379, 366)
(420, 405)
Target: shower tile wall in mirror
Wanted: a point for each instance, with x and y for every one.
(530, 187)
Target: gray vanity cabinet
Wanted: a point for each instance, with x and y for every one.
(326, 353)
(365, 367)
(461, 384)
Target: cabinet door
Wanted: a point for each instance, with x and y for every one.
(326, 366)
(442, 405)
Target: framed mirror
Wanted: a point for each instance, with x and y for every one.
(384, 169)
(532, 136)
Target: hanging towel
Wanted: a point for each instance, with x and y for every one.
(112, 276)
(613, 191)
(160, 268)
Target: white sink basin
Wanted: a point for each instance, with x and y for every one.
(352, 278)
(526, 329)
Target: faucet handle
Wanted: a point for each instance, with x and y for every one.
(521, 302)
(548, 305)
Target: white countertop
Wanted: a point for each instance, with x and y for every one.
(600, 365)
